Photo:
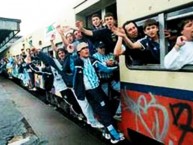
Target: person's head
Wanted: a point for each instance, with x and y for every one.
(61, 53)
(96, 20)
(22, 51)
(131, 29)
(150, 28)
(70, 37)
(83, 50)
(100, 47)
(77, 34)
(27, 49)
(186, 28)
(109, 20)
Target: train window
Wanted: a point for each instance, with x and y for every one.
(112, 9)
(101, 7)
(44, 50)
(167, 20)
(48, 50)
(59, 45)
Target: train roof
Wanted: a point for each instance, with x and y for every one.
(9, 28)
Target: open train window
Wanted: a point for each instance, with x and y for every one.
(167, 20)
(60, 45)
(101, 8)
(45, 49)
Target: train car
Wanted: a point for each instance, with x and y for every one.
(157, 103)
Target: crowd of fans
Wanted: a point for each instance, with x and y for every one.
(85, 70)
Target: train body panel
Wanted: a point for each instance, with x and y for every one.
(157, 104)
(130, 10)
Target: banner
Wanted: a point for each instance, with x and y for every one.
(50, 32)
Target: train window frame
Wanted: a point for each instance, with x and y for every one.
(45, 49)
(163, 18)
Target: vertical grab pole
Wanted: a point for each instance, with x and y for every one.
(163, 46)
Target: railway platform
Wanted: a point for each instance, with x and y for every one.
(27, 120)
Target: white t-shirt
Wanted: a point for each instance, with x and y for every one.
(177, 59)
(58, 83)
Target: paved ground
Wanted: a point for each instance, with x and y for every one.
(24, 116)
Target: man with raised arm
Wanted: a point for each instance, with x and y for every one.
(106, 35)
(149, 45)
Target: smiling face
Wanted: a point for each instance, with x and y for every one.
(96, 21)
(77, 35)
(70, 37)
(131, 30)
(61, 54)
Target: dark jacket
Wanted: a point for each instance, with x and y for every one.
(78, 82)
(48, 78)
(63, 67)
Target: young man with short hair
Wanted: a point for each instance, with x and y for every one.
(87, 84)
(96, 22)
(149, 44)
(106, 35)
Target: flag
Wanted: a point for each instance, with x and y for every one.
(50, 32)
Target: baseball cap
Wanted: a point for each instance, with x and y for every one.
(100, 44)
(81, 45)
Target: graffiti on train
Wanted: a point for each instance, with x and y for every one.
(182, 119)
(167, 120)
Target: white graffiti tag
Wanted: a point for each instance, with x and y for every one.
(140, 109)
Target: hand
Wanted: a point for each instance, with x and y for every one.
(79, 24)
(60, 30)
(110, 62)
(180, 41)
(119, 31)
(70, 48)
(53, 37)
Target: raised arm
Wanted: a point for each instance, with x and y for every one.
(118, 50)
(28, 57)
(52, 43)
(130, 44)
(176, 58)
(79, 25)
(121, 33)
(61, 32)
